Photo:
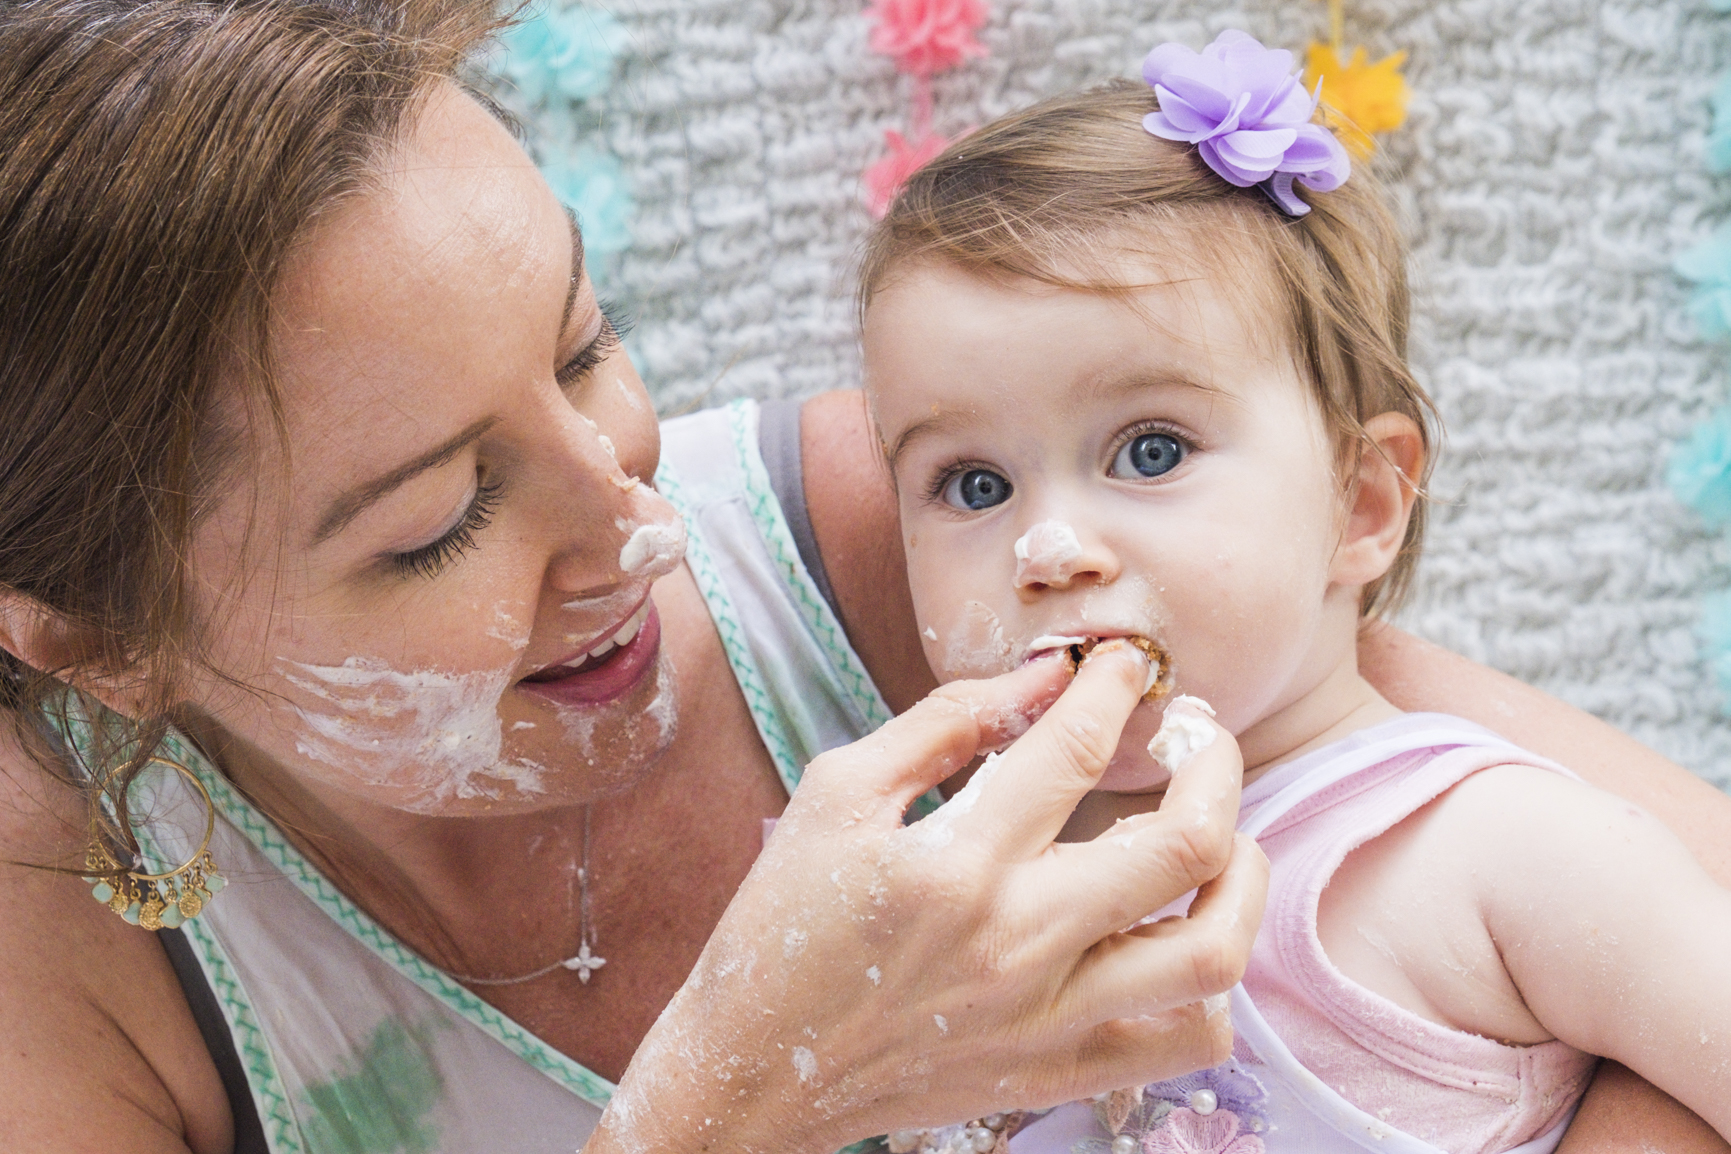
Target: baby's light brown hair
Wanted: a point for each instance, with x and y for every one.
(1051, 194)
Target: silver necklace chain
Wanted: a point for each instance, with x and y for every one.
(585, 961)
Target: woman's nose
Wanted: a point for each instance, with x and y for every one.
(613, 528)
(1051, 556)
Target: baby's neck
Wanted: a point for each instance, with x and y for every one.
(1340, 705)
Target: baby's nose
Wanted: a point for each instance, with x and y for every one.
(1049, 554)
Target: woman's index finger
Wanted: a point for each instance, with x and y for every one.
(1021, 798)
(938, 736)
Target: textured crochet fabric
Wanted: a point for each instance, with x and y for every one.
(1551, 168)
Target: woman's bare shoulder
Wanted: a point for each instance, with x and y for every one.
(852, 506)
(1417, 675)
(101, 1051)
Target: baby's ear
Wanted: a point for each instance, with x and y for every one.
(1390, 461)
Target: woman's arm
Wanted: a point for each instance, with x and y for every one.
(98, 1050)
(1416, 675)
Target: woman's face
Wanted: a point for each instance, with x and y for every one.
(434, 591)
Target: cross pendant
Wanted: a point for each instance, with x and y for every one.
(585, 963)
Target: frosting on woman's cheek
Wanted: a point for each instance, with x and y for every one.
(431, 737)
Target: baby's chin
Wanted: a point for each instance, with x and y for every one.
(1132, 770)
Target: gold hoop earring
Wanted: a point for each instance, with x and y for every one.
(157, 901)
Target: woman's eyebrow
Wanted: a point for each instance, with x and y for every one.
(576, 269)
(349, 504)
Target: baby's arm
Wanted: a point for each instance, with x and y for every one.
(1614, 936)
(1417, 676)
(1622, 1111)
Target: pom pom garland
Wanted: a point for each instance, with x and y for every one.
(549, 65)
(1699, 471)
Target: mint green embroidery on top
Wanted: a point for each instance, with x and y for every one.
(757, 697)
(282, 1132)
(380, 1100)
(586, 1084)
(766, 511)
(820, 619)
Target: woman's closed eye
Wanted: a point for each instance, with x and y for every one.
(1147, 454)
(614, 326)
(429, 560)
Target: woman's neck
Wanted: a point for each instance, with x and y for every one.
(448, 886)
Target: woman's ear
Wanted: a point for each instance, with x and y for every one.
(1390, 462)
(45, 640)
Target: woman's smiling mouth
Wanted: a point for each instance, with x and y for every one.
(608, 669)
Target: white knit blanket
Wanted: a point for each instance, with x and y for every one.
(1550, 169)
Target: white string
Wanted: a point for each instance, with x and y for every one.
(584, 961)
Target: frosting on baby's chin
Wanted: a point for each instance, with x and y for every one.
(1184, 732)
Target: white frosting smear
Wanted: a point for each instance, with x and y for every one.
(658, 546)
(1046, 553)
(1183, 733)
(431, 735)
(975, 645)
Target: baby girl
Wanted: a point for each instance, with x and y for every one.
(1137, 360)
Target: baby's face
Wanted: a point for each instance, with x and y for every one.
(1074, 464)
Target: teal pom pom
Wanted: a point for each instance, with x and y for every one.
(593, 184)
(1708, 264)
(1715, 634)
(1719, 140)
(567, 52)
(1700, 469)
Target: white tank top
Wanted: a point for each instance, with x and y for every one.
(353, 1044)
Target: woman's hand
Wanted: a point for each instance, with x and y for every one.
(870, 975)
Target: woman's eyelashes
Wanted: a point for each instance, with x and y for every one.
(430, 560)
(614, 326)
(1147, 454)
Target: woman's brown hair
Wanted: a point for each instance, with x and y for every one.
(1055, 192)
(159, 161)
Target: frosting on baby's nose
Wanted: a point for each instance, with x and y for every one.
(1047, 554)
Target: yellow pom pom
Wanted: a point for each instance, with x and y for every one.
(1359, 98)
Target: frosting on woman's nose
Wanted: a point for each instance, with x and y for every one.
(1047, 554)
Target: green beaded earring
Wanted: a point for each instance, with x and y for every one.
(157, 901)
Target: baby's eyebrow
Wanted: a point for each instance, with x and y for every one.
(926, 427)
(1117, 384)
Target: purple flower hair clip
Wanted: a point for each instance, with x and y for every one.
(1240, 104)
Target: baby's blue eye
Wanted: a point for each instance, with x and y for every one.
(976, 489)
(1149, 455)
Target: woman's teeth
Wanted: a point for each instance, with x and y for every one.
(624, 635)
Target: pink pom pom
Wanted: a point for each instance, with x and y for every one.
(927, 36)
(885, 178)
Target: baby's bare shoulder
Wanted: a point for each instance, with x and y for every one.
(1403, 915)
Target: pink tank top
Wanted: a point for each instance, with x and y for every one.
(1320, 1063)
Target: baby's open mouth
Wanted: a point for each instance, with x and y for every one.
(1076, 649)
